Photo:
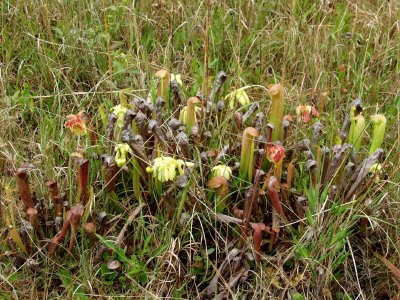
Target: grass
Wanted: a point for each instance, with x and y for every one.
(61, 57)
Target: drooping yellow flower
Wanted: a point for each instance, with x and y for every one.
(164, 168)
(177, 78)
(76, 124)
(240, 96)
(376, 169)
(183, 114)
(119, 110)
(222, 170)
(121, 154)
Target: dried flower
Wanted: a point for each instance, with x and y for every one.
(222, 170)
(275, 153)
(121, 153)
(240, 96)
(303, 112)
(164, 168)
(76, 124)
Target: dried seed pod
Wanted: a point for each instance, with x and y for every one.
(155, 129)
(182, 140)
(145, 106)
(221, 154)
(350, 167)
(340, 153)
(303, 145)
(176, 99)
(258, 121)
(109, 169)
(130, 115)
(113, 264)
(174, 124)
(317, 129)
(141, 123)
(111, 120)
(362, 171)
(181, 181)
(158, 110)
(311, 166)
(136, 143)
(219, 81)
(220, 105)
(253, 108)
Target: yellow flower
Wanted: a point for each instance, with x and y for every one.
(222, 170)
(76, 124)
(121, 153)
(376, 169)
(119, 110)
(164, 168)
(177, 78)
(183, 114)
(240, 96)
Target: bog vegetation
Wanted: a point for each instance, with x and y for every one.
(200, 150)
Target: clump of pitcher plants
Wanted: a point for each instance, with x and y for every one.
(155, 151)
